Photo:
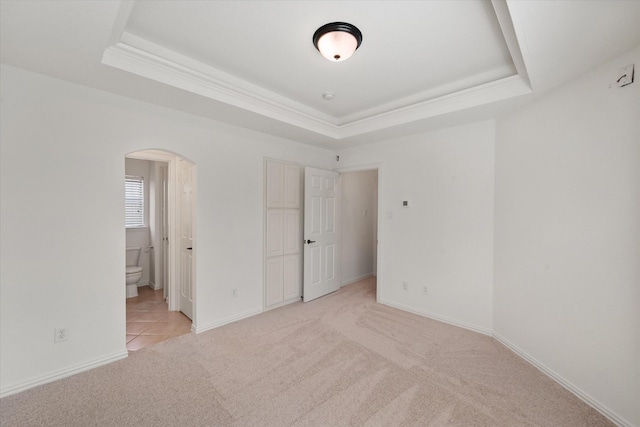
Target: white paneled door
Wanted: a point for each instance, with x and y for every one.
(321, 233)
(185, 220)
(283, 262)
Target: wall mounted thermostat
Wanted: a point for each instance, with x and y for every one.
(406, 204)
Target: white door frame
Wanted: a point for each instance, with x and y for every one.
(379, 225)
(171, 159)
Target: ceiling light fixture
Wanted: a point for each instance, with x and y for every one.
(337, 41)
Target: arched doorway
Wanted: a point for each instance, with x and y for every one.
(168, 251)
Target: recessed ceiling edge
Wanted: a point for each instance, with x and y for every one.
(184, 73)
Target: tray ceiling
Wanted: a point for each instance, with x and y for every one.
(417, 59)
(422, 65)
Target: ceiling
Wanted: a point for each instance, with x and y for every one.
(421, 65)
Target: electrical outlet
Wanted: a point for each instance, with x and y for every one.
(425, 290)
(405, 286)
(60, 334)
(234, 293)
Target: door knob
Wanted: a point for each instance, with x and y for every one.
(311, 241)
(189, 249)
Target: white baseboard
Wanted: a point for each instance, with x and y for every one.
(208, 326)
(154, 286)
(63, 373)
(563, 382)
(544, 369)
(356, 279)
(439, 318)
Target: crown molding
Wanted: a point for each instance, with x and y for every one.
(487, 93)
(145, 64)
(139, 56)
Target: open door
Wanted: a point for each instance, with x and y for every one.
(321, 236)
(163, 199)
(185, 237)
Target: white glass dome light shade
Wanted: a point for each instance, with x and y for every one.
(337, 41)
(337, 45)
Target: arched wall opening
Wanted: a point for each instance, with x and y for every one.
(166, 243)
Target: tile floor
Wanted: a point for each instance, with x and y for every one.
(149, 320)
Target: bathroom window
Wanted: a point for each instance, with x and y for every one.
(134, 201)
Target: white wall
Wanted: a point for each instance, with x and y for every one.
(445, 239)
(567, 233)
(140, 236)
(358, 224)
(567, 214)
(62, 240)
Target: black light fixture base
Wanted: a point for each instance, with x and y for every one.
(337, 26)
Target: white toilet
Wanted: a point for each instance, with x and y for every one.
(134, 272)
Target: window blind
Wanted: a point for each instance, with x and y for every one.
(134, 201)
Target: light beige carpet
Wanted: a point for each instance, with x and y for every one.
(339, 360)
